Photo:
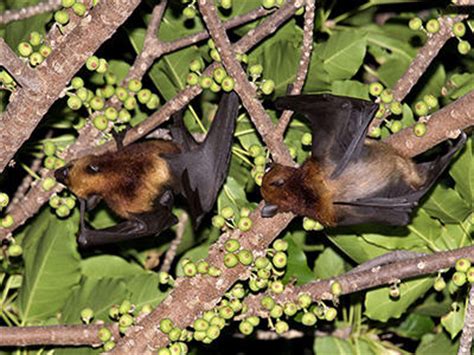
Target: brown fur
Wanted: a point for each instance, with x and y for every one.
(308, 190)
(129, 180)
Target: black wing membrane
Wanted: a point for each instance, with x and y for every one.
(338, 124)
(394, 204)
(142, 225)
(180, 134)
(202, 169)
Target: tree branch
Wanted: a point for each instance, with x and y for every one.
(30, 11)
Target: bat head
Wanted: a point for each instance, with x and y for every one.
(277, 190)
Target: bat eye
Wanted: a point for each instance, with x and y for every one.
(278, 182)
(93, 168)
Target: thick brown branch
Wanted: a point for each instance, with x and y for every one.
(243, 87)
(53, 335)
(30, 11)
(26, 108)
(465, 343)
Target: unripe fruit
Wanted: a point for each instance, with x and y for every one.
(86, 315)
(304, 300)
(77, 82)
(264, 274)
(134, 85)
(226, 312)
(281, 327)
(292, 151)
(336, 288)
(163, 277)
(130, 103)
(205, 82)
(100, 122)
(255, 150)
(386, 96)
(61, 17)
(192, 79)
(15, 250)
(104, 334)
(307, 139)
(111, 113)
(432, 25)
(290, 309)
(79, 9)
(202, 267)
(195, 65)
(200, 324)
(83, 94)
(245, 257)
(74, 103)
(231, 260)
(189, 12)
(459, 278)
(463, 265)
(245, 328)
(7, 221)
(103, 66)
(125, 307)
(256, 70)
(199, 335)
(421, 108)
(439, 284)
(232, 245)
(36, 59)
(227, 84)
(430, 100)
(124, 116)
(25, 49)
(218, 221)
(267, 302)
(166, 325)
(227, 212)
(268, 4)
(92, 63)
(396, 108)
(419, 129)
(190, 269)
(45, 50)
(121, 93)
(213, 332)
(153, 103)
(48, 183)
(470, 274)
(268, 86)
(280, 245)
(146, 309)
(245, 224)
(215, 55)
(226, 4)
(276, 312)
(4, 200)
(415, 23)
(279, 260)
(35, 38)
(114, 312)
(261, 262)
(464, 47)
(67, 3)
(214, 271)
(108, 346)
(63, 211)
(396, 126)
(394, 292)
(215, 87)
(277, 287)
(70, 202)
(375, 132)
(308, 224)
(309, 319)
(375, 89)
(219, 74)
(125, 320)
(380, 112)
(459, 29)
(330, 314)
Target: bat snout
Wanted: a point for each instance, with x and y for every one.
(61, 174)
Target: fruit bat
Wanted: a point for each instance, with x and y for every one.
(139, 182)
(348, 179)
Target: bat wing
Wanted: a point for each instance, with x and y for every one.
(180, 134)
(203, 169)
(338, 124)
(142, 225)
(394, 204)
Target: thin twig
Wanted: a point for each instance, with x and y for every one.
(171, 252)
(30, 11)
(465, 343)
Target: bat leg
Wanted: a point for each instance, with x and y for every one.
(119, 137)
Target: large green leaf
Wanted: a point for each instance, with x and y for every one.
(108, 266)
(327, 345)
(415, 326)
(328, 264)
(453, 321)
(447, 205)
(379, 306)
(438, 343)
(144, 289)
(97, 294)
(51, 266)
(462, 172)
(297, 267)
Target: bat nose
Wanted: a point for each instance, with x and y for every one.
(61, 174)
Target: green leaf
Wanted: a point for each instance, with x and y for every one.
(447, 205)
(343, 54)
(327, 345)
(453, 321)
(350, 88)
(97, 294)
(379, 306)
(144, 289)
(109, 266)
(18, 31)
(297, 267)
(462, 172)
(51, 266)
(232, 195)
(415, 326)
(437, 344)
(328, 264)
(460, 85)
